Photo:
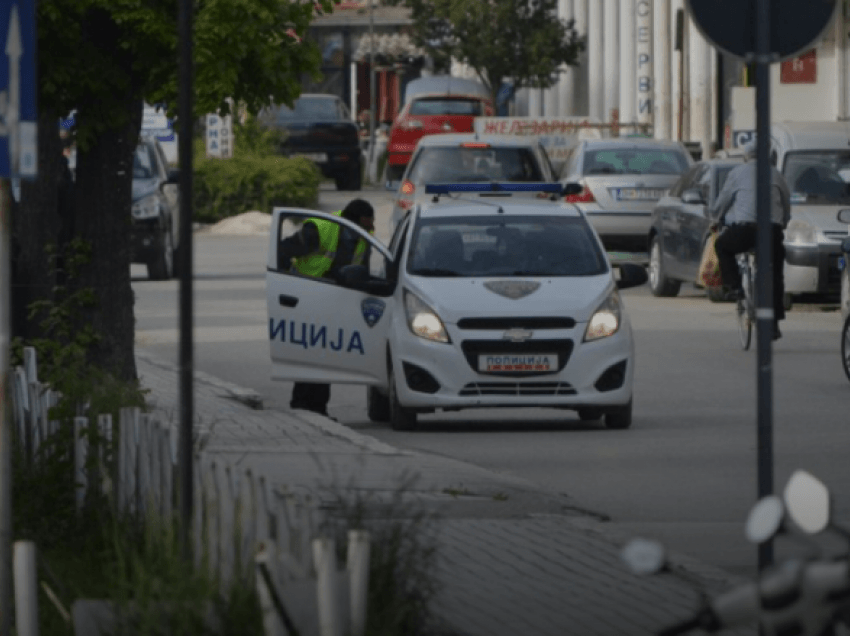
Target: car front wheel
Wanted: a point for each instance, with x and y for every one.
(161, 265)
(659, 284)
(377, 405)
(401, 419)
(619, 418)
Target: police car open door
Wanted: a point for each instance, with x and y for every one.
(320, 330)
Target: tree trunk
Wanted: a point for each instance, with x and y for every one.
(103, 195)
(35, 225)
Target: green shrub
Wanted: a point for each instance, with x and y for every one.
(255, 178)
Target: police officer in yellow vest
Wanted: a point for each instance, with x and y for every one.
(320, 249)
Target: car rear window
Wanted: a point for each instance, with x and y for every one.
(458, 163)
(446, 106)
(505, 246)
(634, 161)
(307, 109)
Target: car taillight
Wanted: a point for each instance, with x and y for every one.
(585, 196)
(408, 188)
(404, 204)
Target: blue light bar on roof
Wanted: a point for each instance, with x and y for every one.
(493, 186)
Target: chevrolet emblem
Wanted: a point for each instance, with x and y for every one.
(517, 335)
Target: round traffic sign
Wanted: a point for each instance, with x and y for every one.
(730, 24)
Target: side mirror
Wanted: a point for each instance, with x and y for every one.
(808, 502)
(173, 176)
(844, 216)
(571, 188)
(357, 277)
(693, 196)
(631, 275)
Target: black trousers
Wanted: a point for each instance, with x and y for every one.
(311, 396)
(741, 237)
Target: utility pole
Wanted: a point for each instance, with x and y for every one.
(5, 410)
(373, 176)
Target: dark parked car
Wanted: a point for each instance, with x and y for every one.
(156, 210)
(679, 226)
(320, 128)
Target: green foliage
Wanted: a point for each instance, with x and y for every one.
(94, 53)
(517, 40)
(255, 178)
(402, 581)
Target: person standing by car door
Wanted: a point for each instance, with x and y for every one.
(736, 208)
(320, 249)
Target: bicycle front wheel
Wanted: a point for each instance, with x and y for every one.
(845, 347)
(745, 323)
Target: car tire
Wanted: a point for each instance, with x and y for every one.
(161, 265)
(401, 418)
(377, 405)
(589, 414)
(619, 418)
(659, 284)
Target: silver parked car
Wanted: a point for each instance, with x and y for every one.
(622, 180)
(470, 158)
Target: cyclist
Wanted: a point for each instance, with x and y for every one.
(736, 208)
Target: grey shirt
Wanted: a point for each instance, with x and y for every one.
(736, 202)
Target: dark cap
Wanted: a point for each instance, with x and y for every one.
(357, 208)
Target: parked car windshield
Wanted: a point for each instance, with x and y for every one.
(143, 162)
(818, 177)
(634, 161)
(443, 106)
(307, 109)
(458, 163)
(506, 246)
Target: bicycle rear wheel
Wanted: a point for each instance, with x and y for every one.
(745, 323)
(845, 347)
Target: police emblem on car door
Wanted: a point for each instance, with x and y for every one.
(318, 329)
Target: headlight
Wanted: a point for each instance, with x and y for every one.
(799, 231)
(605, 320)
(422, 320)
(146, 208)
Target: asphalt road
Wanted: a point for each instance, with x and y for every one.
(686, 472)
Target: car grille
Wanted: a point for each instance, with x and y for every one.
(529, 322)
(473, 348)
(517, 388)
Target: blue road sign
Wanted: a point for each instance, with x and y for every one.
(18, 113)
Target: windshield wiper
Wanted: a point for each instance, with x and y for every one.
(435, 272)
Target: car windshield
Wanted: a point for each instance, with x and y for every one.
(143, 165)
(634, 161)
(819, 177)
(458, 163)
(444, 106)
(505, 246)
(307, 109)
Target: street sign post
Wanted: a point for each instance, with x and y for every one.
(763, 31)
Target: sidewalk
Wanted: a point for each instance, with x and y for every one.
(512, 560)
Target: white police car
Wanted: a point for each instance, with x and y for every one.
(477, 302)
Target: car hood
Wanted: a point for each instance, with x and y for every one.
(144, 187)
(456, 298)
(821, 216)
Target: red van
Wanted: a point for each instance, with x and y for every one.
(433, 105)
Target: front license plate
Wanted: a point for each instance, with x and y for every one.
(518, 363)
(637, 194)
(318, 157)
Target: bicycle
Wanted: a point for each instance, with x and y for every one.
(745, 307)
